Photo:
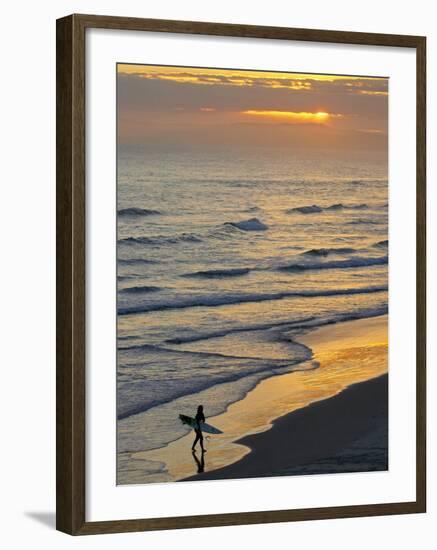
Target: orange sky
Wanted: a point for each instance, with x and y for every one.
(174, 107)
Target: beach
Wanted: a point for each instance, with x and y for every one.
(346, 433)
(325, 419)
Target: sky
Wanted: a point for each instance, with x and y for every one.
(172, 108)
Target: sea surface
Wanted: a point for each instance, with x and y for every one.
(222, 258)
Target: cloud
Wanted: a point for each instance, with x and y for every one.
(241, 78)
(155, 94)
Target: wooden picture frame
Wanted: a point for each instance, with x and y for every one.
(71, 302)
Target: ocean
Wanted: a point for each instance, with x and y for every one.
(222, 259)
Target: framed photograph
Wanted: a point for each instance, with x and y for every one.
(240, 274)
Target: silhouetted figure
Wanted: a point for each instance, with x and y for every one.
(200, 417)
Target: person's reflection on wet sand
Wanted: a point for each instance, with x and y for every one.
(200, 463)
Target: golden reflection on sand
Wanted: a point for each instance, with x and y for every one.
(347, 353)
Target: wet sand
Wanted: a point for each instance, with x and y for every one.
(346, 433)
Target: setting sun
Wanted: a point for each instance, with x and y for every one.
(294, 117)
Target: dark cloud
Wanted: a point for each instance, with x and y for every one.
(339, 96)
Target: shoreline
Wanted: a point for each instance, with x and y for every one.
(342, 434)
(348, 353)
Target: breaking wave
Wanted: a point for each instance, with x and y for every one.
(253, 224)
(315, 208)
(215, 300)
(219, 273)
(335, 264)
(132, 212)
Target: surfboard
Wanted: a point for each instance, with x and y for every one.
(207, 428)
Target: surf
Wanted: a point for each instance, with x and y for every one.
(252, 224)
(316, 209)
(212, 300)
(135, 212)
(349, 263)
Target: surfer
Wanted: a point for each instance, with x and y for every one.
(200, 417)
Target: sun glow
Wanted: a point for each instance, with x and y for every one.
(318, 117)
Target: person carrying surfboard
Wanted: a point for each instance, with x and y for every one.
(200, 417)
